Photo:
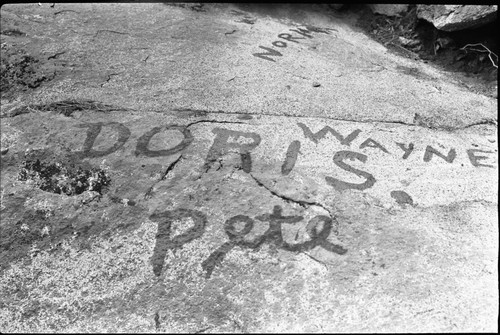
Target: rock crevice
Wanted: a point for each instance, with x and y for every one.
(302, 203)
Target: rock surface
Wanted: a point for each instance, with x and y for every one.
(336, 6)
(457, 17)
(389, 10)
(183, 173)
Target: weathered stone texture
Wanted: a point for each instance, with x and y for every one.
(207, 169)
(457, 17)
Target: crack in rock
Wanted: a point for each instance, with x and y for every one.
(482, 122)
(303, 203)
(157, 321)
(171, 166)
(64, 11)
(110, 31)
(56, 55)
(315, 259)
(411, 124)
(212, 121)
(109, 77)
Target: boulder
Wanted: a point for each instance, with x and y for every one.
(457, 17)
(389, 10)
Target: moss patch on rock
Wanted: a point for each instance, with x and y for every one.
(20, 70)
(60, 179)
